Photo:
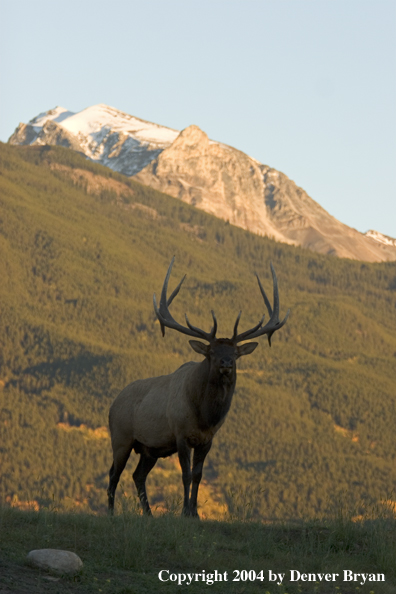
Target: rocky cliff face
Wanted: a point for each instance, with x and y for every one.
(229, 184)
(304, 221)
(213, 177)
(209, 175)
(50, 133)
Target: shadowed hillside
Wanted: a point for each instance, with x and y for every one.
(82, 251)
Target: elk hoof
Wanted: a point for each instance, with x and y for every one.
(188, 513)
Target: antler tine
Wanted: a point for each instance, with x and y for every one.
(198, 333)
(214, 329)
(161, 310)
(263, 293)
(167, 320)
(273, 323)
(276, 294)
(176, 291)
(165, 285)
(277, 326)
(247, 335)
(157, 312)
(236, 325)
(206, 335)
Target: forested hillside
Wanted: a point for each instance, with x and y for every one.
(82, 249)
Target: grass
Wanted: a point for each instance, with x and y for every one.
(125, 553)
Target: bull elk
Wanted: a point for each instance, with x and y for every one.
(182, 411)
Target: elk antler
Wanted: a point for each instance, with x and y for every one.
(273, 323)
(166, 319)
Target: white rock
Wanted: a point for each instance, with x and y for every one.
(61, 562)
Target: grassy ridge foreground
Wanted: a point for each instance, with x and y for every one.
(82, 250)
(126, 553)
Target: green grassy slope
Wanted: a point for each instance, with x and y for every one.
(312, 418)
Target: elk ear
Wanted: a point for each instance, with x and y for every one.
(245, 349)
(199, 347)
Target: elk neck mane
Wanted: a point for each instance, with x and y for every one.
(212, 394)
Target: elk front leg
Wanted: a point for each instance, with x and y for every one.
(146, 463)
(200, 453)
(184, 452)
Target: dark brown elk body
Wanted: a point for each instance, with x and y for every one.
(182, 411)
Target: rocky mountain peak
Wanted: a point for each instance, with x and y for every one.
(192, 136)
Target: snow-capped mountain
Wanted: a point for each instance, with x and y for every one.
(210, 175)
(115, 139)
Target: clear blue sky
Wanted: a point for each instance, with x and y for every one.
(305, 86)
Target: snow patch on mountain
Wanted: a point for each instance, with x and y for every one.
(377, 236)
(99, 120)
(58, 114)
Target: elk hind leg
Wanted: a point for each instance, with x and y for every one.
(146, 463)
(120, 458)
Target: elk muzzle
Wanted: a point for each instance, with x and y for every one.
(226, 366)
